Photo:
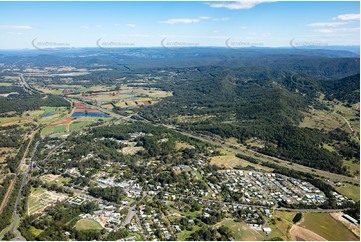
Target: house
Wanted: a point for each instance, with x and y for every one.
(267, 230)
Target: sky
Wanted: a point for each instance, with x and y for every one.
(36, 25)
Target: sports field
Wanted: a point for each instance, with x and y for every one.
(87, 224)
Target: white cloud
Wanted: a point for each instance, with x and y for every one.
(14, 33)
(191, 20)
(15, 27)
(131, 25)
(244, 4)
(204, 17)
(338, 30)
(180, 21)
(85, 27)
(212, 19)
(326, 24)
(98, 26)
(349, 17)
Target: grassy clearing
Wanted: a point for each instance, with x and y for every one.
(55, 129)
(79, 125)
(182, 145)
(5, 84)
(351, 191)
(228, 159)
(322, 119)
(130, 150)
(53, 109)
(242, 232)
(185, 234)
(354, 168)
(36, 232)
(87, 224)
(55, 179)
(324, 225)
(288, 216)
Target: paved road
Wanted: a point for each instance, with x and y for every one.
(131, 213)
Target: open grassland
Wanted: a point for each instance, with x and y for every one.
(228, 159)
(288, 216)
(131, 150)
(15, 120)
(77, 125)
(242, 232)
(55, 129)
(256, 143)
(351, 191)
(87, 224)
(55, 179)
(182, 145)
(354, 168)
(185, 234)
(322, 119)
(5, 84)
(334, 118)
(326, 226)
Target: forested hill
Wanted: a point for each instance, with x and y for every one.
(256, 102)
(345, 89)
(22, 101)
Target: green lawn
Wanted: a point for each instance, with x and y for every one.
(241, 231)
(327, 227)
(87, 224)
